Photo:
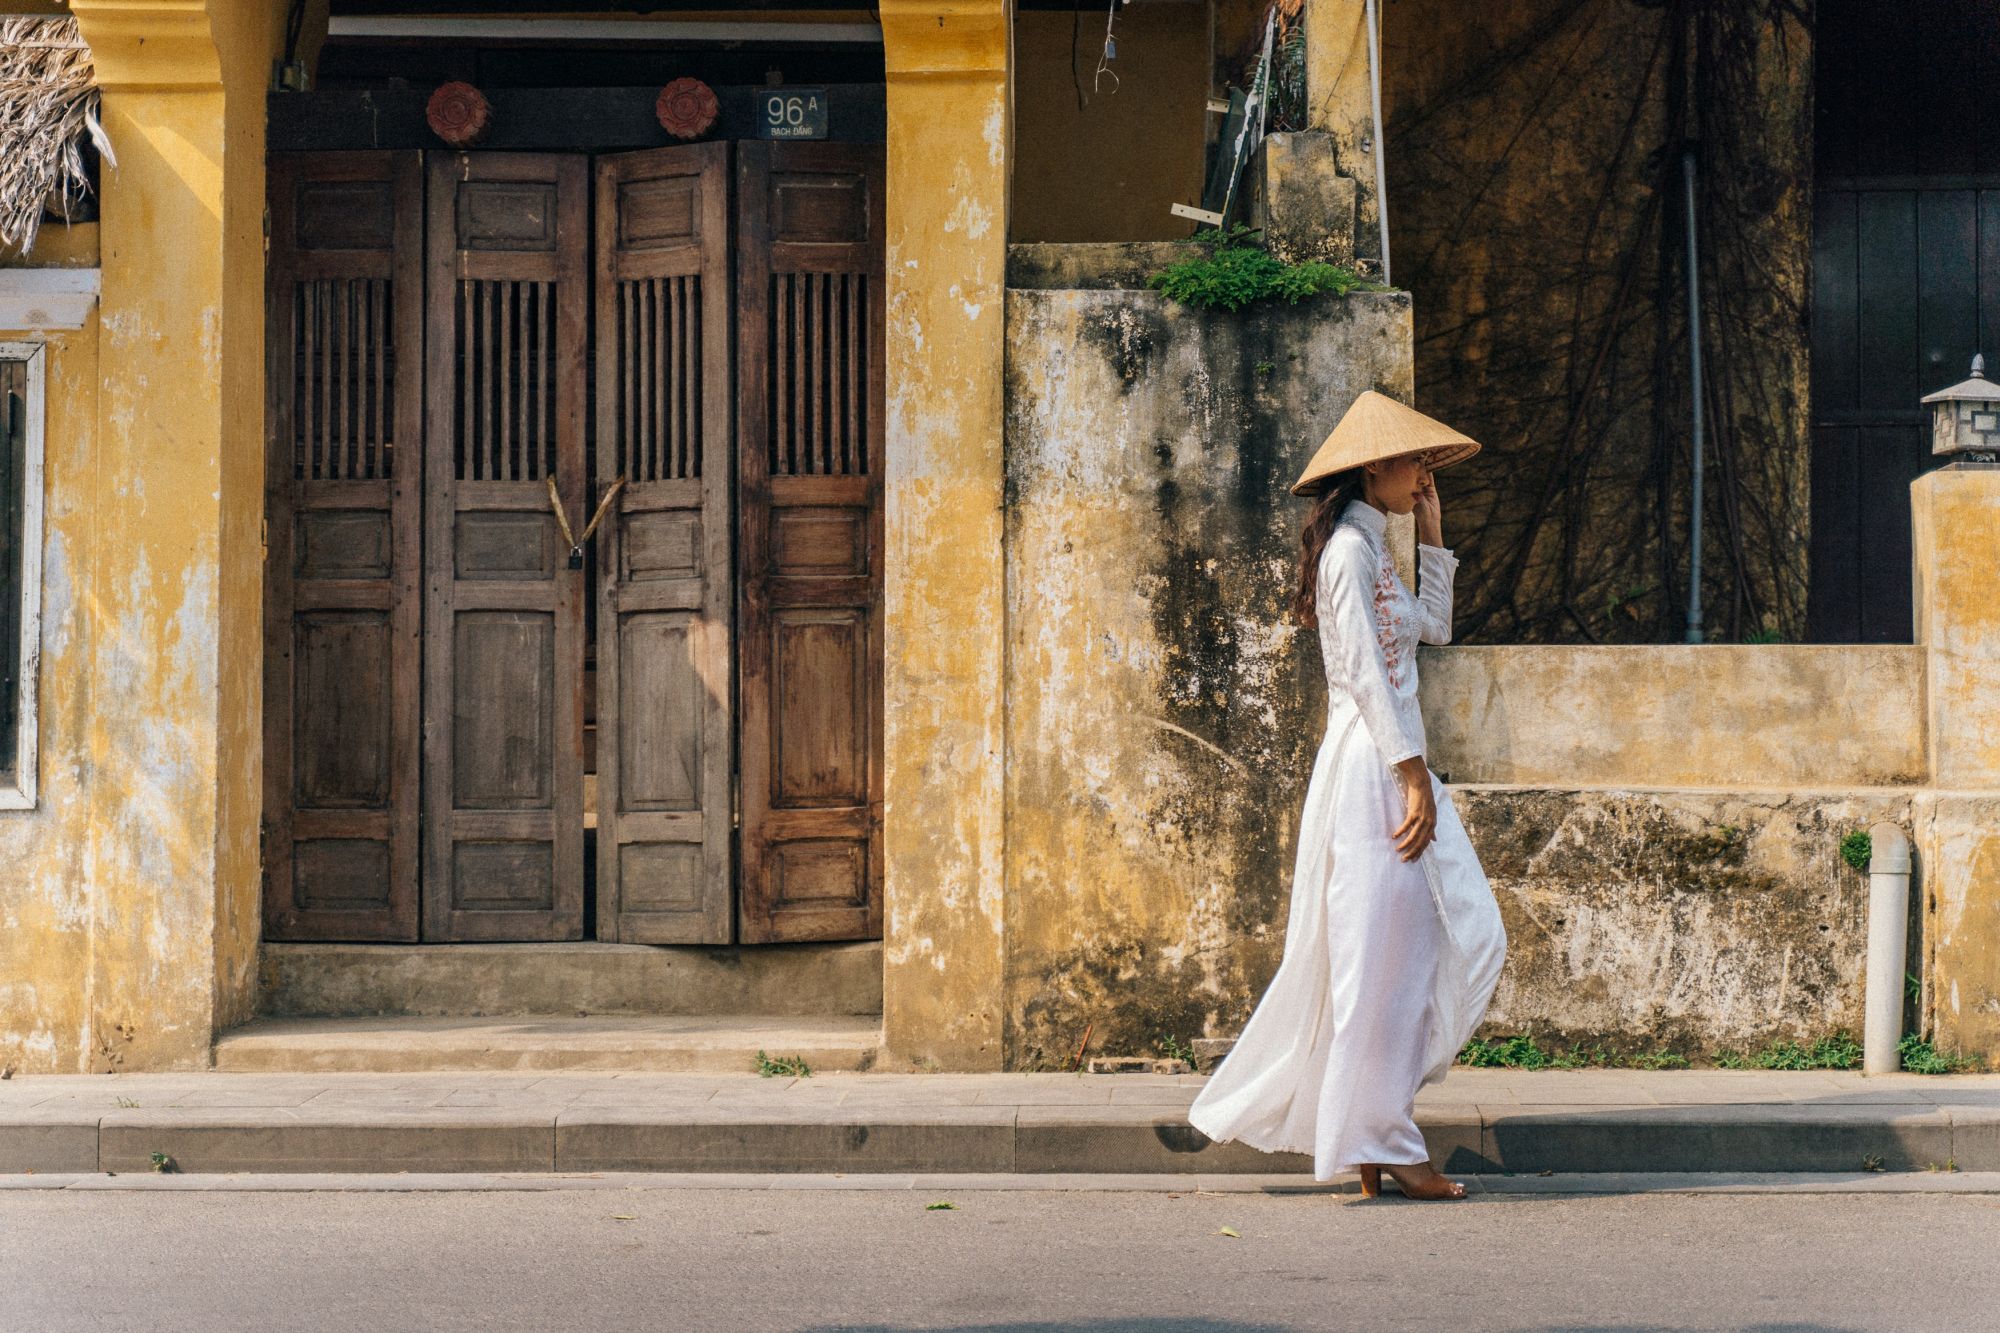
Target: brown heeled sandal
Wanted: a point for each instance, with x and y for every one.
(1433, 1187)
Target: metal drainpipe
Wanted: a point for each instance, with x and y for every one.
(1381, 172)
(1694, 391)
(1888, 946)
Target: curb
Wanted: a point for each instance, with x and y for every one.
(1030, 1140)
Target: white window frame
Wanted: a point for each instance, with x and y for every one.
(19, 793)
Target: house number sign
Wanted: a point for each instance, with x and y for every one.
(791, 113)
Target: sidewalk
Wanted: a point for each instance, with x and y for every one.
(1477, 1121)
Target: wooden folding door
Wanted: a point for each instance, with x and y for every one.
(503, 603)
(344, 339)
(664, 657)
(809, 459)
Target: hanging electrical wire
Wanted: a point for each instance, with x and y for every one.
(1110, 52)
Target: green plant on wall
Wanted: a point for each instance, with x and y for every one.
(1856, 848)
(1234, 272)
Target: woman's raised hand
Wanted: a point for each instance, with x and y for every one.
(1430, 515)
(1420, 814)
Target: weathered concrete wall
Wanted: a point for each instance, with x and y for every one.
(1162, 712)
(1666, 844)
(1690, 921)
(1764, 716)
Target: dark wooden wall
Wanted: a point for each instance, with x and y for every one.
(1906, 280)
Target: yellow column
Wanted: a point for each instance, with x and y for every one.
(1955, 516)
(1339, 101)
(171, 856)
(947, 63)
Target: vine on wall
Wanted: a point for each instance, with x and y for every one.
(1536, 198)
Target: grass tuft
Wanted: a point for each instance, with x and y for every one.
(1839, 1051)
(1173, 1048)
(1921, 1056)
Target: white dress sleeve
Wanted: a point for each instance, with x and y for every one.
(1435, 567)
(1354, 659)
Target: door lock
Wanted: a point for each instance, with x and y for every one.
(576, 543)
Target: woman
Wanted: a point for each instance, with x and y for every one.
(1394, 942)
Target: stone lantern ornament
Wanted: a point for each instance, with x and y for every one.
(1965, 419)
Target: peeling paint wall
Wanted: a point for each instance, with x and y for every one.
(1162, 712)
(947, 94)
(45, 906)
(131, 931)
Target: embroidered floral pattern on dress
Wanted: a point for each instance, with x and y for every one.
(1391, 618)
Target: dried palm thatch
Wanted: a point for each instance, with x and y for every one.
(48, 108)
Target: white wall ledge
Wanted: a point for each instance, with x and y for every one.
(40, 300)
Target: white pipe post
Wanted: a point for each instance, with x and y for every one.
(1888, 947)
(1375, 99)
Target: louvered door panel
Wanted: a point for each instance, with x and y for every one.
(341, 662)
(810, 429)
(664, 592)
(503, 714)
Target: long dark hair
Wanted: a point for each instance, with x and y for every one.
(1334, 495)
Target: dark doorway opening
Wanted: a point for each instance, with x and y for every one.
(1906, 280)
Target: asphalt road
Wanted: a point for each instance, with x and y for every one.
(702, 1259)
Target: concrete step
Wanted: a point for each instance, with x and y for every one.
(662, 1044)
(472, 980)
(1478, 1122)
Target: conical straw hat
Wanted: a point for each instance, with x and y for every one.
(1378, 427)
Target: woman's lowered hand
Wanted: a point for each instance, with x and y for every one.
(1420, 814)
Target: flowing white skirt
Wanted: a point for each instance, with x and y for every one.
(1388, 968)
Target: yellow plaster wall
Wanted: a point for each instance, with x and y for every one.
(249, 36)
(133, 936)
(1768, 716)
(1340, 101)
(45, 907)
(1958, 874)
(1955, 525)
(947, 64)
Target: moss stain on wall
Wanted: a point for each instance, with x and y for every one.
(1163, 712)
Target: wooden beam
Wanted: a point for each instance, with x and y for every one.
(540, 119)
(344, 8)
(489, 30)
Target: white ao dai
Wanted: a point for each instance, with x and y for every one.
(1389, 964)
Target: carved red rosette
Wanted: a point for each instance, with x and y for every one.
(687, 108)
(459, 114)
